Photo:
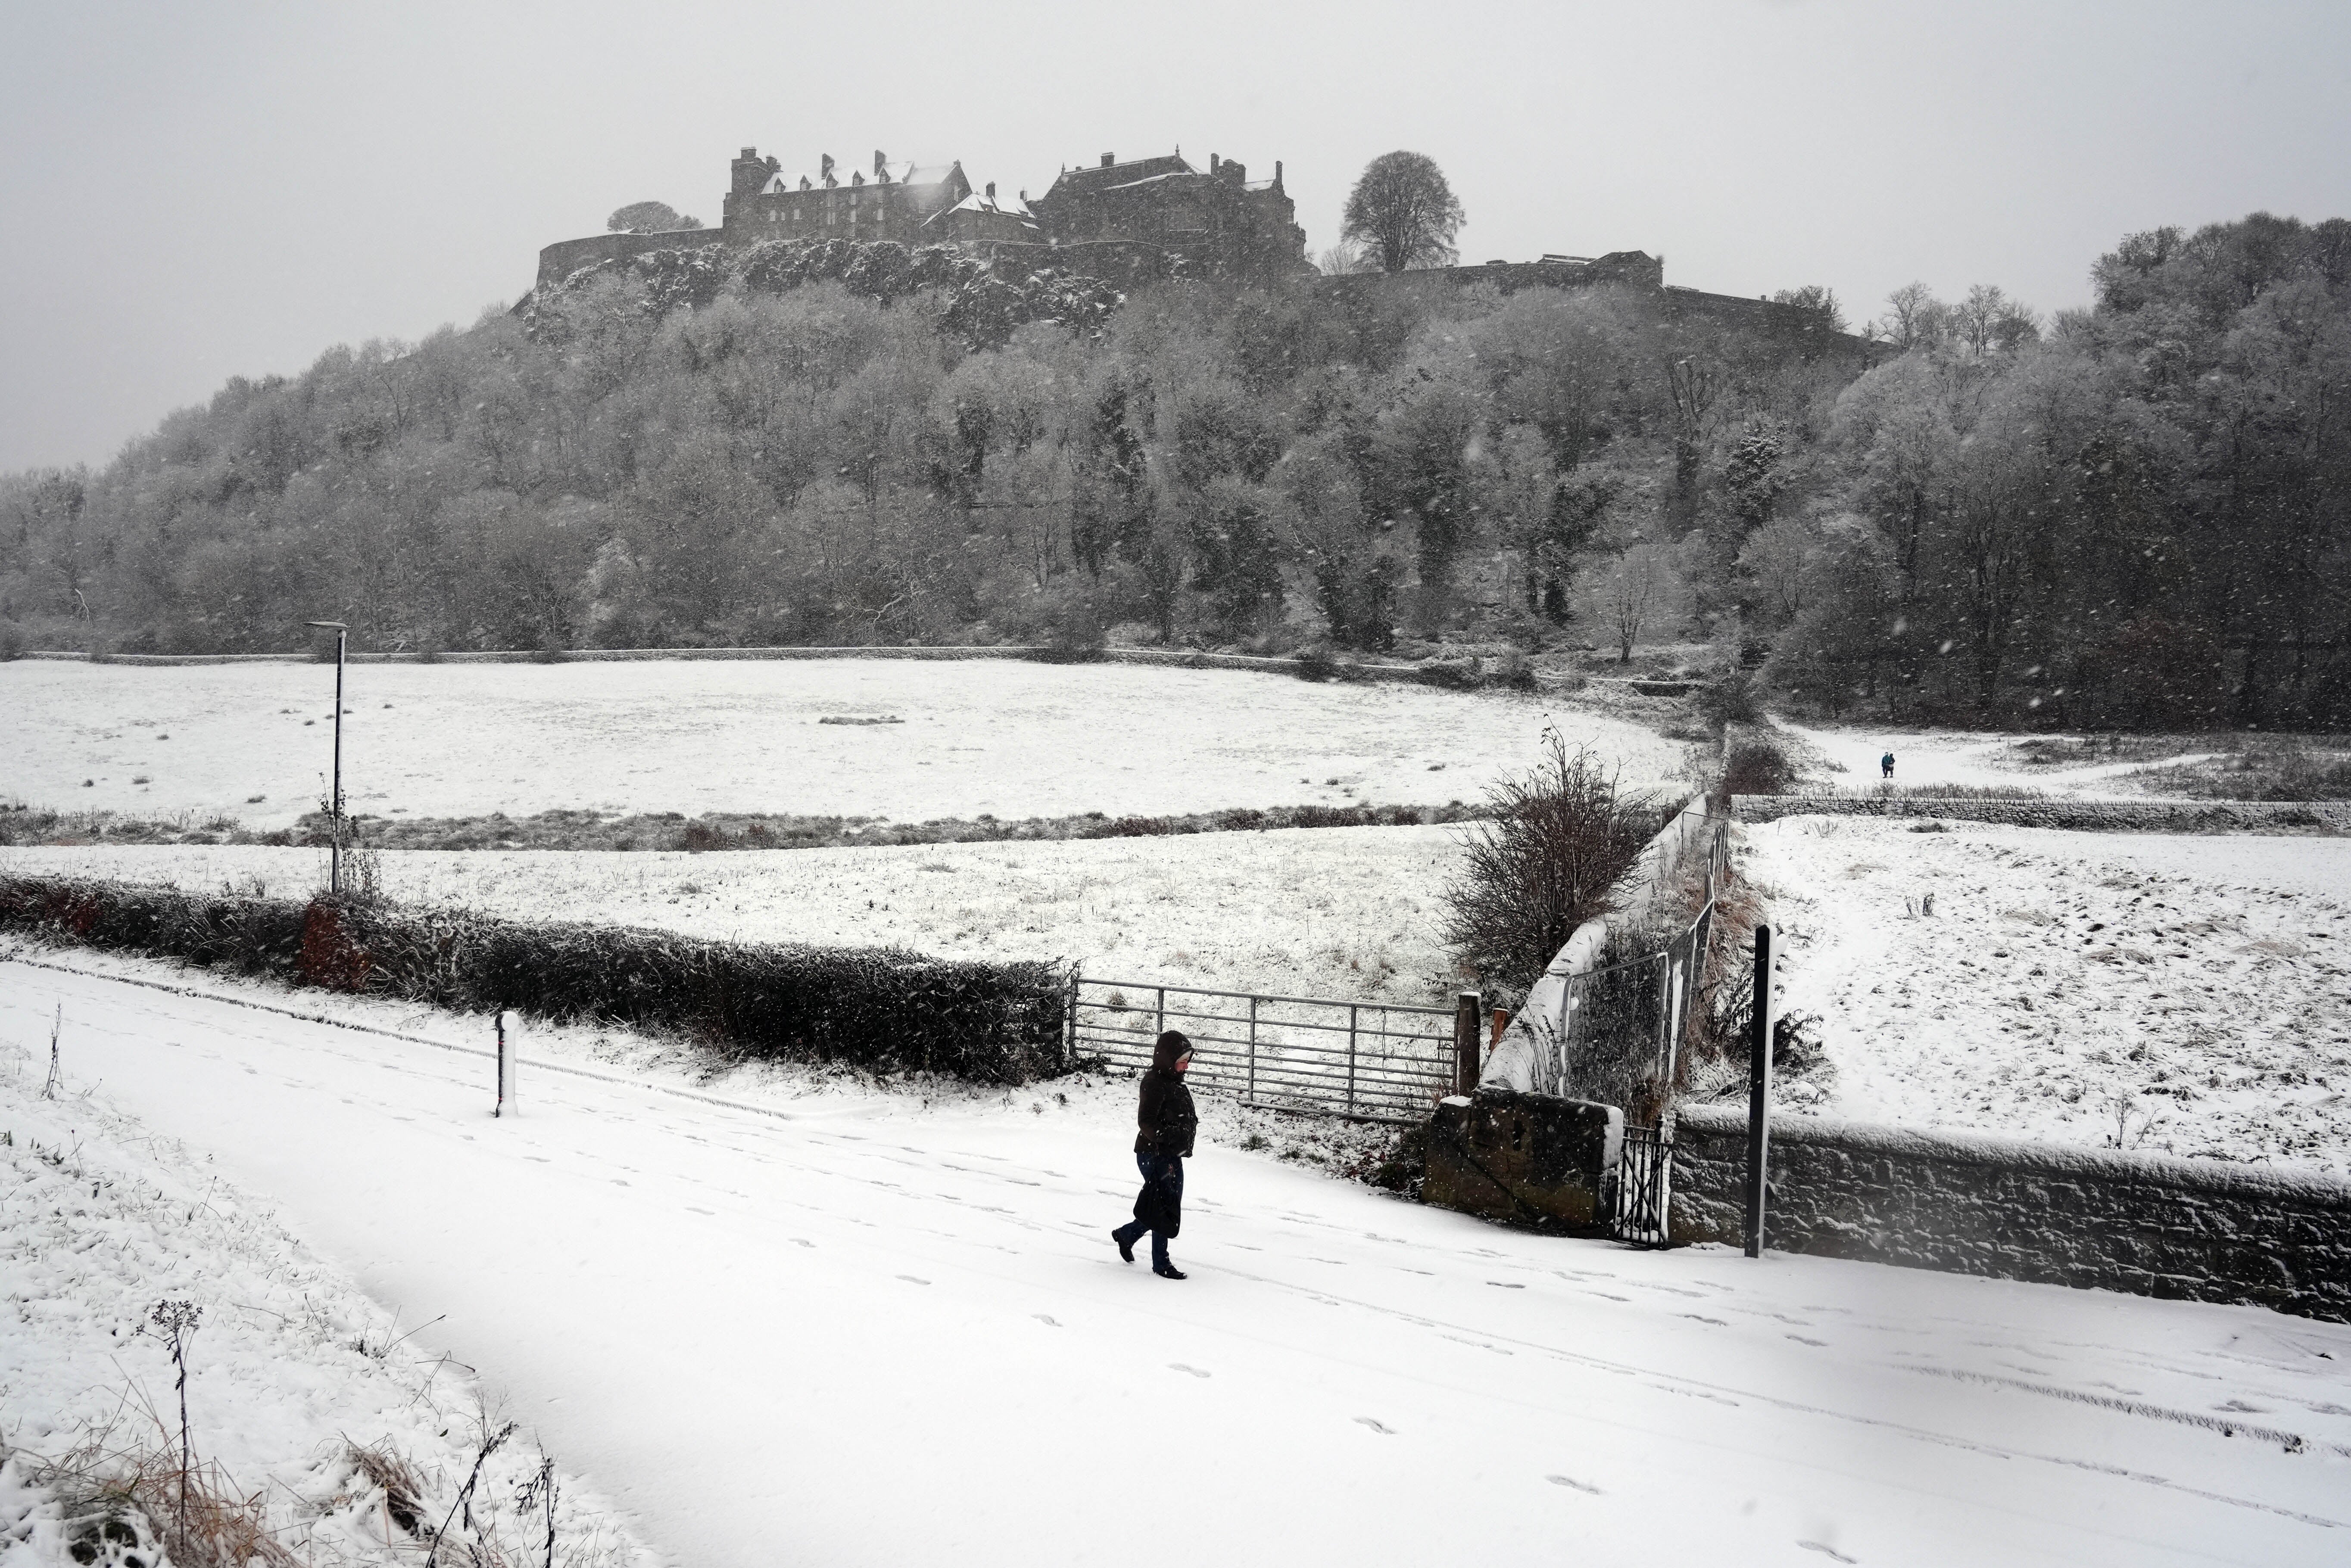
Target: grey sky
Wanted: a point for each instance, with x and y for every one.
(194, 192)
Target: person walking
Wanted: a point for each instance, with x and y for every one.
(1886, 765)
(1165, 1122)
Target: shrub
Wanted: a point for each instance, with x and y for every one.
(1512, 669)
(1561, 843)
(1453, 674)
(1316, 662)
(1728, 699)
(1757, 767)
(883, 1009)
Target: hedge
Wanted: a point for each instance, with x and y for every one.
(883, 1009)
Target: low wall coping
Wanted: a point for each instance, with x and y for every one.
(1954, 1146)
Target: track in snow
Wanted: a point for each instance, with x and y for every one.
(863, 1333)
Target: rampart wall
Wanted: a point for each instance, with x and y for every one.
(564, 257)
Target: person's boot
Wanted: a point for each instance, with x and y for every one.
(1160, 1264)
(1168, 1271)
(1126, 1236)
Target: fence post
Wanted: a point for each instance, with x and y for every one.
(1252, 1070)
(1759, 1093)
(1469, 1014)
(1162, 1015)
(1351, 1009)
(1070, 1025)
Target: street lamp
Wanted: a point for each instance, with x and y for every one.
(334, 845)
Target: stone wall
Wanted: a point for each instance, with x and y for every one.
(564, 257)
(1978, 1204)
(1525, 1159)
(2110, 815)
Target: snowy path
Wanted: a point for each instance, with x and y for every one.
(851, 1331)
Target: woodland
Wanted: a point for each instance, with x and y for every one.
(2133, 514)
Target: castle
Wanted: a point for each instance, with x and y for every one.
(1127, 223)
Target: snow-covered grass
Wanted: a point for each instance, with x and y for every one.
(1337, 911)
(829, 1325)
(1010, 738)
(1923, 758)
(2185, 994)
(292, 1371)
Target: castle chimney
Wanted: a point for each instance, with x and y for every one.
(991, 190)
(1213, 162)
(881, 164)
(1109, 159)
(824, 169)
(1277, 173)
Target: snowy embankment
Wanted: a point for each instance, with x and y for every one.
(1012, 740)
(2188, 995)
(827, 1324)
(1337, 911)
(301, 1392)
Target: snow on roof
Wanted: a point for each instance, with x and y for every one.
(978, 202)
(904, 172)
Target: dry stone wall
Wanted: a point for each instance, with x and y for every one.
(1978, 1204)
(2109, 816)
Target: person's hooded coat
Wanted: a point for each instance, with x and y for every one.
(1165, 1121)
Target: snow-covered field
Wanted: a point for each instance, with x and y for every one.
(2189, 994)
(1339, 911)
(1969, 759)
(1007, 738)
(290, 1366)
(824, 1324)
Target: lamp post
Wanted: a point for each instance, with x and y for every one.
(335, 802)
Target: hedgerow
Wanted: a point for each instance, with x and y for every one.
(883, 1009)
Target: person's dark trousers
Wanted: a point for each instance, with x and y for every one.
(1158, 1208)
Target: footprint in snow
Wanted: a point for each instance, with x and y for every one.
(797, 1242)
(1506, 1284)
(1047, 1319)
(913, 1280)
(1179, 1367)
(1828, 1552)
(1382, 1428)
(1572, 1484)
(690, 1209)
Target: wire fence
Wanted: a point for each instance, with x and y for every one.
(1374, 1060)
(1620, 1029)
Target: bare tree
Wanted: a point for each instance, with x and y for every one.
(1403, 212)
(1632, 594)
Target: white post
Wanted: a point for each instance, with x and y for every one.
(509, 1044)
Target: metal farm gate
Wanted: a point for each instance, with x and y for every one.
(1375, 1060)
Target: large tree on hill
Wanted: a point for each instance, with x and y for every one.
(648, 218)
(1403, 212)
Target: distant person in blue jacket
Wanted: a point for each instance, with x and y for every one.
(1886, 765)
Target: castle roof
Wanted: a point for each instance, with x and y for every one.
(1093, 180)
(978, 202)
(904, 172)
